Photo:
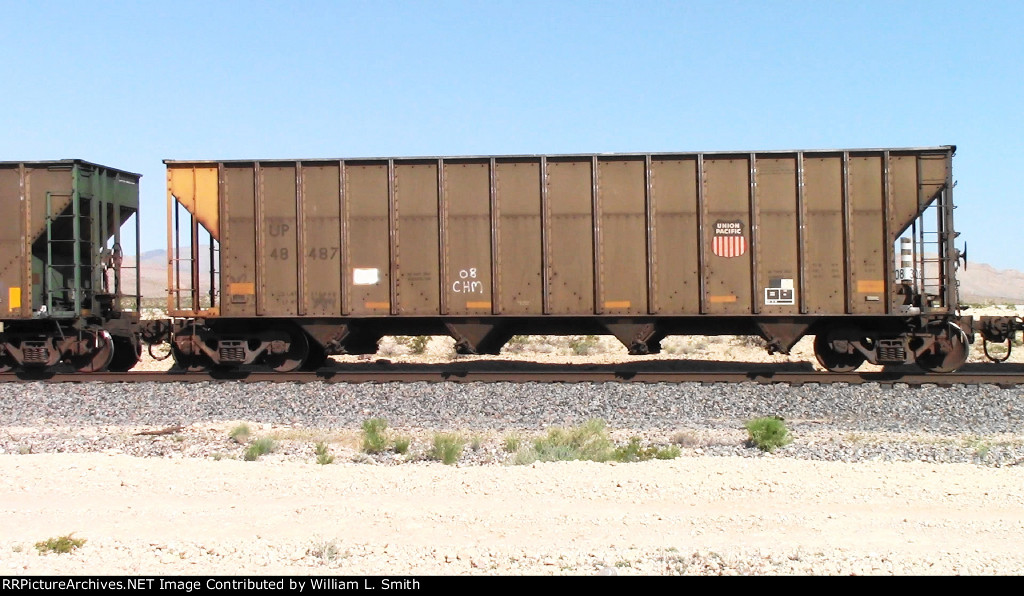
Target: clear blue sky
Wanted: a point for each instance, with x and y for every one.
(128, 84)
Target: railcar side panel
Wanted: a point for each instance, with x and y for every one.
(15, 296)
(776, 289)
(521, 264)
(869, 271)
(368, 245)
(570, 237)
(727, 254)
(825, 266)
(277, 247)
(467, 244)
(238, 241)
(675, 258)
(417, 248)
(622, 231)
(320, 235)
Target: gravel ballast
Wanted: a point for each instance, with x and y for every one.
(836, 421)
(877, 480)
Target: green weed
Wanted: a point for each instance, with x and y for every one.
(768, 433)
(581, 345)
(512, 443)
(418, 344)
(323, 456)
(61, 545)
(375, 438)
(259, 447)
(447, 448)
(240, 434)
(589, 441)
(634, 451)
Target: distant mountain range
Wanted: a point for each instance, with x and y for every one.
(153, 271)
(979, 283)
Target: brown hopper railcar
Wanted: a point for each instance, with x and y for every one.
(62, 300)
(323, 256)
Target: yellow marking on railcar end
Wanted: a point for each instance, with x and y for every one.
(377, 304)
(14, 298)
(870, 286)
(486, 305)
(242, 288)
(718, 299)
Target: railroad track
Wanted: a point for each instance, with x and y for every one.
(1002, 375)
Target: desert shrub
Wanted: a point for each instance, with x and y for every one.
(768, 433)
(326, 550)
(399, 344)
(686, 439)
(418, 344)
(259, 447)
(401, 444)
(512, 443)
(582, 345)
(375, 438)
(589, 441)
(517, 344)
(61, 545)
(323, 456)
(634, 451)
(670, 452)
(240, 433)
(447, 448)
(749, 341)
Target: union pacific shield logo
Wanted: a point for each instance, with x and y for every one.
(728, 240)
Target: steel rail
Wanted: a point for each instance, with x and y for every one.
(1005, 376)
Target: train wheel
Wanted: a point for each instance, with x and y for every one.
(7, 362)
(99, 358)
(832, 360)
(126, 354)
(949, 357)
(317, 357)
(189, 362)
(296, 354)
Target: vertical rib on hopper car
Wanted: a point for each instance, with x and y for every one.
(310, 257)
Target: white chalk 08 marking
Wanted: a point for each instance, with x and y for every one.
(467, 284)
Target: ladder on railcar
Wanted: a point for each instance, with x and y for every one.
(65, 291)
(931, 263)
(191, 296)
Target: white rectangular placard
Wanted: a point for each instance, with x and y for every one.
(365, 277)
